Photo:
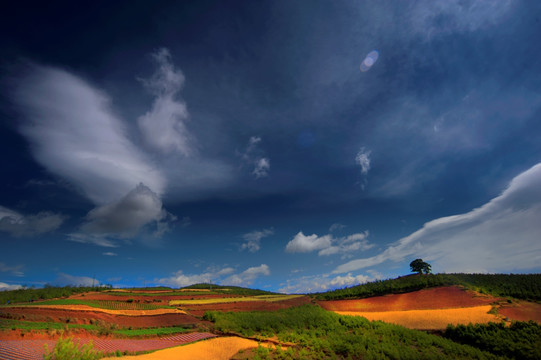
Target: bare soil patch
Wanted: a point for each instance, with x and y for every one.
(521, 311)
(88, 317)
(446, 297)
(199, 310)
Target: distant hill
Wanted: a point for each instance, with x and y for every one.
(237, 290)
(520, 286)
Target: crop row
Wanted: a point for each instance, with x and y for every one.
(102, 304)
(270, 298)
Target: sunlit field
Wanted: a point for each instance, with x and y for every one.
(270, 298)
(222, 348)
(430, 319)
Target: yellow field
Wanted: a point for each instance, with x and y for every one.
(222, 348)
(112, 312)
(233, 299)
(430, 319)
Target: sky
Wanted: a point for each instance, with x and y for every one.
(290, 146)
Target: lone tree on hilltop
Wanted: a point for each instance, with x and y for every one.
(419, 266)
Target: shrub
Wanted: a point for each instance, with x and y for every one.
(66, 349)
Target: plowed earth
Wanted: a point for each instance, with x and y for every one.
(85, 317)
(521, 311)
(199, 310)
(34, 349)
(436, 298)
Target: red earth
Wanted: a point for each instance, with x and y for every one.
(521, 311)
(85, 317)
(435, 298)
(199, 310)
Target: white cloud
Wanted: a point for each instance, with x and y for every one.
(125, 217)
(64, 279)
(163, 127)
(324, 282)
(29, 225)
(348, 244)
(74, 133)
(363, 160)
(253, 239)
(15, 270)
(8, 287)
(327, 245)
(262, 167)
(223, 276)
(500, 236)
(248, 276)
(110, 254)
(98, 240)
(302, 243)
(254, 157)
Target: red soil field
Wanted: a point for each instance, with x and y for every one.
(34, 349)
(426, 299)
(199, 310)
(84, 317)
(521, 311)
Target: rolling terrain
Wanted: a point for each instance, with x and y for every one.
(342, 323)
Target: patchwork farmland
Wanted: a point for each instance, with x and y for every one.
(228, 319)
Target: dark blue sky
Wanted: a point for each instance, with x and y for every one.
(285, 145)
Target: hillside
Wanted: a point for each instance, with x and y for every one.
(519, 286)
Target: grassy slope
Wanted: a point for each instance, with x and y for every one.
(325, 335)
(527, 287)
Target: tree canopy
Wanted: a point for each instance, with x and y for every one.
(419, 266)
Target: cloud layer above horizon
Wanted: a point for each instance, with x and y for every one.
(494, 237)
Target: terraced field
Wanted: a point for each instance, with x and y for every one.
(35, 349)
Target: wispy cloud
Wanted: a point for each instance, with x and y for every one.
(14, 269)
(441, 17)
(501, 235)
(253, 239)
(18, 224)
(75, 134)
(64, 279)
(110, 254)
(327, 244)
(163, 127)
(337, 227)
(363, 160)
(225, 276)
(248, 276)
(325, 282)
(253, 156)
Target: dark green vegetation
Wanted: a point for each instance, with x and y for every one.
(101, 304)
(237, 290)
(527, 287)
(48, 292)
(421, 267)
(198, 289)
(325, 335)
(521, 340)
